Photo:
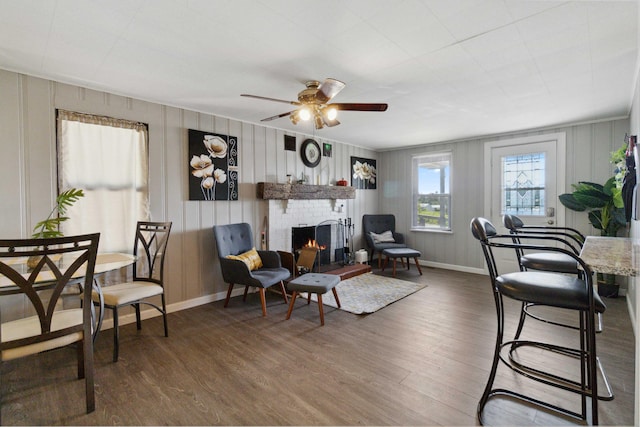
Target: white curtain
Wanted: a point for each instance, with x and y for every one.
(108, 159)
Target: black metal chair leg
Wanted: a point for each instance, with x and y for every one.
(496, 360)
(138, 321)
(116, 334)
(523, 316)
(164, 316)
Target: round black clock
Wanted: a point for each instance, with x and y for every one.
(310, 153)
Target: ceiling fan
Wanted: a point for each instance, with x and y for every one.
(312, 104)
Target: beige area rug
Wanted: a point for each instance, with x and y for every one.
(368, 293)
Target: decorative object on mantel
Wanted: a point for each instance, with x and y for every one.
(363, 173)
(342, 183)
(214, 166)
(275, 191)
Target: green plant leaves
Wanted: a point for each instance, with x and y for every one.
(50, 227)
(570, 202)
(603, 203)
(591, 199)
(68, 198)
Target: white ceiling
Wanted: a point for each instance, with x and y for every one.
(449, 69)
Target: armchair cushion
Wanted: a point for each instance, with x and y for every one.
(386, 237)
(251, 258)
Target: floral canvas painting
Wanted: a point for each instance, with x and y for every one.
(363, 173)
(213, 166)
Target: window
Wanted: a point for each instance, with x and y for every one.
(108, 159)
(523, 184)
(431, 191)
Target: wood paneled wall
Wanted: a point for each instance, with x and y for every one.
(28, 176)
(29, 180)
(588, 151)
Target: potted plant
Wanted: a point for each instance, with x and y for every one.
(605, 208)
(50, 227)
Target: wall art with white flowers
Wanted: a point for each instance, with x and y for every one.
(363, 173)
(213, 166)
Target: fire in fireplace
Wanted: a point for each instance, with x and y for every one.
(323, 236)
(312, 236)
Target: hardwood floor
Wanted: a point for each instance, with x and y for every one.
(423, 360)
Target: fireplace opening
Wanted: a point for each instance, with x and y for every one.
(327, 238)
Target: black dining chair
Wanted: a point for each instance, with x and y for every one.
(147, 283)
(550, 289)
(572, 240)
(59, 262)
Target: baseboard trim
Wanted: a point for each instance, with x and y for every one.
(453, 267)
(178, 306)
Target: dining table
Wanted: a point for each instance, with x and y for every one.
(619, 256)
(105, 262)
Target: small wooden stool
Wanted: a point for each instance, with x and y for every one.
(401, 253)
(313, 283)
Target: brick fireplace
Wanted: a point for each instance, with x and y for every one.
(284, 215)
(300, 205)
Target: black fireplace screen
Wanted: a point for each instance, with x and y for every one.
(327, 237)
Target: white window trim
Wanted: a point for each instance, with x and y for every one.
(413, 182)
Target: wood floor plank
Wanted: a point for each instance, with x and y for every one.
(423, 360)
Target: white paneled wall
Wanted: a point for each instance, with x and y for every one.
(29, 183)
(28, 176)
(588, 151)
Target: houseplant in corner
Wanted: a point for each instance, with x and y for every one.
(605, 207)
(50, 227)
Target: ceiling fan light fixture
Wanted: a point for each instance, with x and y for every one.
(312, 104)
(304, 114)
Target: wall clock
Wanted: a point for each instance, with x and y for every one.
(310, 153)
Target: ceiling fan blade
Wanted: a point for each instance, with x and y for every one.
(359, 107)
(271, 99)
(268, 119)
(328, 89)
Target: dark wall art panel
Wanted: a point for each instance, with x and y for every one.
(213, 166)
(363, 173)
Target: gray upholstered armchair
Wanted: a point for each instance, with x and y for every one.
(378, 224)
(235, 240)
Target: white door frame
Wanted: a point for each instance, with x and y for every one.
(561, 158)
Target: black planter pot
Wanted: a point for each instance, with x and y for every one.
(607, 290)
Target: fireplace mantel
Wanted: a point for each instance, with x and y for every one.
(274, 191)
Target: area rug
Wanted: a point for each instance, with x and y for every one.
(368, 293)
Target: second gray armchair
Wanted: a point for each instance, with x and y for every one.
(379, 225)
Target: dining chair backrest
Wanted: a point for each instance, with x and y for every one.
(570, 236)
(59, 261)
(150, 249)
